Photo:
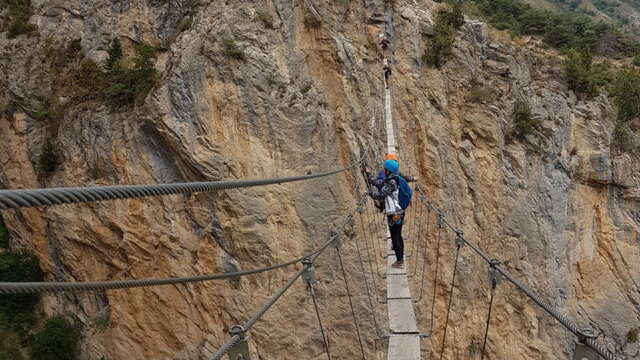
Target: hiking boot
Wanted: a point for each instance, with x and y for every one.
(398, 264)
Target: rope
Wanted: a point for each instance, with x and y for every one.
(377, 251)
(553, 312)
(371, 259)
(265, 307)
(353, 314)
(53, 287)
(435, 276)
(486, 330)
(424, 264)
(373, 314)
(226, 347)
(412, 232)
(417, 239)
(324, 338)
(14, 199)
(453, 281)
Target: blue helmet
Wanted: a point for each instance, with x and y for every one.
(391, 166)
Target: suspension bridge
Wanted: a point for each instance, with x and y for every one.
(426, 226)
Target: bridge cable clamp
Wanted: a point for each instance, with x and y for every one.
(459, 241)
(309, 274)
(582, 351)
(240, 350)
(336, 238)
(495, 277)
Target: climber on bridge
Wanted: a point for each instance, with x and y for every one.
(384, 42)
(396, 195)
(386, 69)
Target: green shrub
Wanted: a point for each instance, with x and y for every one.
(626, 89)
(636, 59)
(632, 336)
(523, 118)
(48, 109)
(125, 85)
(48, 159)
(232, 50)
(10, 345)
(57, 341)
(17, 310)
(18, 17)
(584, 77)
(560, 29)
(439, 47)
(4, 235)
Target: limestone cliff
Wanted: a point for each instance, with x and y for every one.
(560, 207)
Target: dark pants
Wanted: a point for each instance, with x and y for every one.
(396, 237)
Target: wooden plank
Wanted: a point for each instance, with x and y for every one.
(398, 287)
(404, 347)
(402, 319)
(393, 271)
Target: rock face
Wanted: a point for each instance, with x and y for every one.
(560, 208)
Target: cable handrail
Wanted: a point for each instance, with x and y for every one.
(307, 264)
(554, 313)
(25, 198)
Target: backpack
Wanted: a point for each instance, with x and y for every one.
(404, 192)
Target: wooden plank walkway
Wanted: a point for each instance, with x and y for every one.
(404, 335)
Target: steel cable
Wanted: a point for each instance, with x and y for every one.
(424, 264)
(417, 239)
(364, 274)
(53, 287)
(371, 259)
(587, 340)
(412, 232)
(353, 313)
(435, 276)
(14, 199)
(453, 281)
(486, 330)
(267, 305)
(324, 337)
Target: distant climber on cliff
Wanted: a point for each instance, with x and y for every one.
(396, 195)
(386, 69)
(384, 42)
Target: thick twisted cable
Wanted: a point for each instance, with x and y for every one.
(226, 347)
(591, 342)
(265, 307)
(14, 199)
(53, 287)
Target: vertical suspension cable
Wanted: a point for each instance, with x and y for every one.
(453, 281)
(373, 310)
(494, 277)
(435, 276)
(424, 262)
(353, 314)
(486, 330)
(417, 235)
(324, 337)
(414, 237)
(371, 259)
(373, 240)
